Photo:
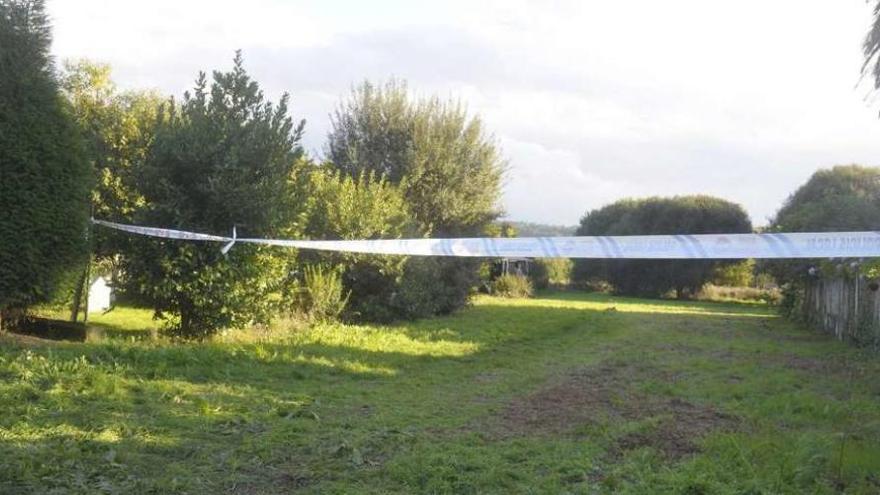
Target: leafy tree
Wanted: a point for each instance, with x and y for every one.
(448, 168)
(224, 156)
(677, 215)
(44, 178)
(117, 129)
(843, 198)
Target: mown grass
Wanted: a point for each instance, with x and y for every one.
(568, 392)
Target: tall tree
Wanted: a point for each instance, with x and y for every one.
(223, 157)
(44, 178)
(117, 129)
(448, 166)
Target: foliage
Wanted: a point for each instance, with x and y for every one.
(224, 157)
(450, 170)
(44, 178)
(538, 275)
(118, 130)
(359, 407)
(433, 285)
(557, 270)
(512, 285)
(447, 167)
(841, 199)
(740, 274)
(321, 297)
(342, 207)
(871, 48)
(530, 229)
(677, 215)
(711, 292)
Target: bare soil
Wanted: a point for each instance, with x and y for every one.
(606, 394)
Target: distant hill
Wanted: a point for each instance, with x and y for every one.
(529, 229)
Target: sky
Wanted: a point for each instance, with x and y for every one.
(590, 101)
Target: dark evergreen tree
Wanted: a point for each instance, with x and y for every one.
(44, 177)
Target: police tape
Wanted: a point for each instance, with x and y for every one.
(683, 246)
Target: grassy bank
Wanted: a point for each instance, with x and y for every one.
(565, 393)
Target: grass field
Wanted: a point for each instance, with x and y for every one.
(567, 392)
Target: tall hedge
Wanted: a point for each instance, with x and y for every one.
(44, 177)
(676, 215)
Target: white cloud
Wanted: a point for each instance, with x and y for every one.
(592, 100)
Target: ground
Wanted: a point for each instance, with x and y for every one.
(564, 393)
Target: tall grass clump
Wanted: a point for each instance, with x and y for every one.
(513, 286)
(321, 297)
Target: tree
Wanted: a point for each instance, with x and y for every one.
(223, 157)
(117, 129)
(448, 168)
(677, 215)
(44, 178)
(843, 198)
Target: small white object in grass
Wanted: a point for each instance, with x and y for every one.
(100, 295)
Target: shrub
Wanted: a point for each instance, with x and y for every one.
(711, 292)
(539, 275)
(558, 270)
(677, 215)
(741, 274)
(513, 286)
(321, 296)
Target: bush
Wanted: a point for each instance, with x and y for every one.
(677, 215)
(558, 270)
(321, 296)
(741, 274)
(539, 275)
(513, 286)
(434, 286)
(711, 292)
(342, 207)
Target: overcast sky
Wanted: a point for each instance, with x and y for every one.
(591, 101)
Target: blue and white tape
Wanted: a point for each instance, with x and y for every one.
(697, 246)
